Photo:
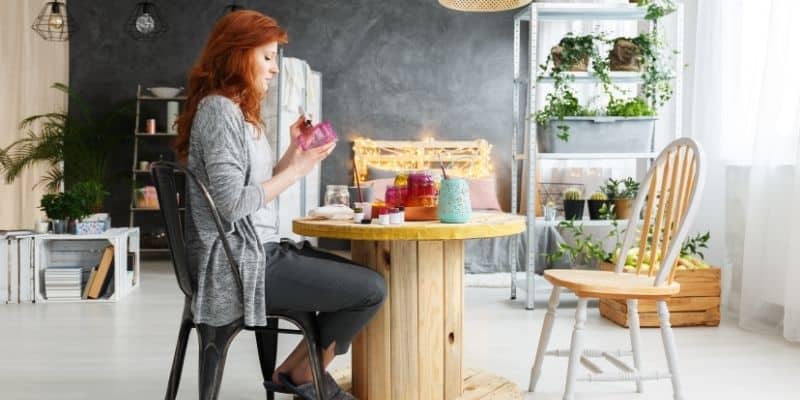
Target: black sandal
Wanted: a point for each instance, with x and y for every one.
(306, 391)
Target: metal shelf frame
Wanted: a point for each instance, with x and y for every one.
(523, 129)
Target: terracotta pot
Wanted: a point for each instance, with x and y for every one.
(624, 56)
(622, 208)
(555, 54)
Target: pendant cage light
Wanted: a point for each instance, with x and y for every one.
(232, 7)
(54, 23)
(483, 5)
(145, 22)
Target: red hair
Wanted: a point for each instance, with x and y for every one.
(226, 68)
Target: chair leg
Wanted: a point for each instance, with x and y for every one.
(267, 343)
(636, 343)
(576, 349)
(214, 343)
(669, 348)
(544, 338)
(317, 370)
(177, 360)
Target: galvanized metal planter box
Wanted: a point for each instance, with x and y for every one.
(598, 135)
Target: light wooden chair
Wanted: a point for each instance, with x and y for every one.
(669, 198)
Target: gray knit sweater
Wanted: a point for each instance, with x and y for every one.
(218, 155)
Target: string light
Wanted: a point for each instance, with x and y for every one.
(468, 159)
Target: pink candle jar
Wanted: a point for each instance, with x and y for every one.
(394, 196)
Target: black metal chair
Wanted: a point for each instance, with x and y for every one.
(214, 341)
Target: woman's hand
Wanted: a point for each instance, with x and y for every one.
(296, 130)
(304, 161)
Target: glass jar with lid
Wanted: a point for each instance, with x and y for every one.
(337, 194)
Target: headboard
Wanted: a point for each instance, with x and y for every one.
(464, 158)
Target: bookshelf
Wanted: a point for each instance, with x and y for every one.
(68, 251)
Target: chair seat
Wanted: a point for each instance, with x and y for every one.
(610, 285)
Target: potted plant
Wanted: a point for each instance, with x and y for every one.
(624, 200)
(572, 53)
(80, 140)
(573, 204)
(54, 206)
(91, 193)
(600, 206)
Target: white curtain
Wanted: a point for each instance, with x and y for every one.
(744, 107)
(29, 66)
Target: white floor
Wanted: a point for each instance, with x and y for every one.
(124, 350)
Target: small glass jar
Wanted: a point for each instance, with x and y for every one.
(383, 217)
(337, 194)
(358, 215)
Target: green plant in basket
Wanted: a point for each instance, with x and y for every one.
(636, 107)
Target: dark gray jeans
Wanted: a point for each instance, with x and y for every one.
(346, 295)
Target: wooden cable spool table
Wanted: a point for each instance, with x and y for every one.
(412, 349)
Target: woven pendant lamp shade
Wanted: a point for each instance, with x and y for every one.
(483, 5)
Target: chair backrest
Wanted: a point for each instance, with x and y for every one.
(668, 197)
(163, 173)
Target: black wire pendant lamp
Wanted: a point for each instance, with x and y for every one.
(54, 23)
(232, 7)
(145, 22)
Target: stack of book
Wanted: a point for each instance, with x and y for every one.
(63, 283)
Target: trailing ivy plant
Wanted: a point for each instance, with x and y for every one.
(562, 101)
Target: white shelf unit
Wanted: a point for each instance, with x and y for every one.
(85, 251)
(522, 127)
(161, 138)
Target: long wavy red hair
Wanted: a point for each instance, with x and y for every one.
(225, 68)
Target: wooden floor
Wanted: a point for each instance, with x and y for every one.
(123, 351)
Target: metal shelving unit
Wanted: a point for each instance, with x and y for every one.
(527, 81)
(139, 174)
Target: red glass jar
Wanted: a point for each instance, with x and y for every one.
(421, 190)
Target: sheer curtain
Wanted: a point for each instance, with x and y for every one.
(29, 66)
(744, 107)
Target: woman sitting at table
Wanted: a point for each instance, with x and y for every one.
(222, 140)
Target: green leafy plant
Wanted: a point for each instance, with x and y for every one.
(64, 205)
(91, 193)
(611, 188)
(657, 9)
(631, 188)
(694, 244)
(81, 142)
(636, 107)
(54, 206)
(562, 101)
(585, 247)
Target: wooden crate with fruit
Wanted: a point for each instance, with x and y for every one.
(698, 302)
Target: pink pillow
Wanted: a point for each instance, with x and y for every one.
(483, 193)
(378, 186)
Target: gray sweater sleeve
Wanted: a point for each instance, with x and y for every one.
(219, 129)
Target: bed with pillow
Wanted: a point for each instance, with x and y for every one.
(377, 163)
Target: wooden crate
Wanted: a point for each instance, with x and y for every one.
(698, 302)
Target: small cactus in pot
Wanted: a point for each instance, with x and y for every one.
(596, 202)
(573, 203)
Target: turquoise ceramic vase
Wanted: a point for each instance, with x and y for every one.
(454, 204)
